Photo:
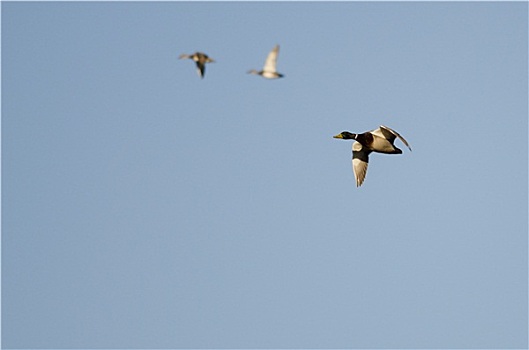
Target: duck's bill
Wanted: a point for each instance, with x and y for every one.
(339, 136)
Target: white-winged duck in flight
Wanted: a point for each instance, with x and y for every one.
(269, 69)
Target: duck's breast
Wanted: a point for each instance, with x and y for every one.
(270, 75)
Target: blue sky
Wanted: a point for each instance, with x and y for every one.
(143, 207)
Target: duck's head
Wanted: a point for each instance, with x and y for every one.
(346, 135)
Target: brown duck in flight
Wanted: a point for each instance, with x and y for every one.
(200, 59)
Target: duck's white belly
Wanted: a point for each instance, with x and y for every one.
(270, 75)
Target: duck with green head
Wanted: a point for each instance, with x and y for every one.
(380, 140)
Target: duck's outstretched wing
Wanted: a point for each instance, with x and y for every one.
(390, 135)
(271, 60)
(201, 68)
(360, 162)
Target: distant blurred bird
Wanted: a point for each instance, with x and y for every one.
(200, 59)
(379, 140)
(269, 69)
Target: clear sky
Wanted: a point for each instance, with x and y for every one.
(144, 207)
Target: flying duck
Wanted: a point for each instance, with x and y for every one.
(269, 68)
(200, 59)
(379, 140)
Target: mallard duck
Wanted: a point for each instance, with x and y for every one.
(379, 140)
(200, 59)
(269, 69)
